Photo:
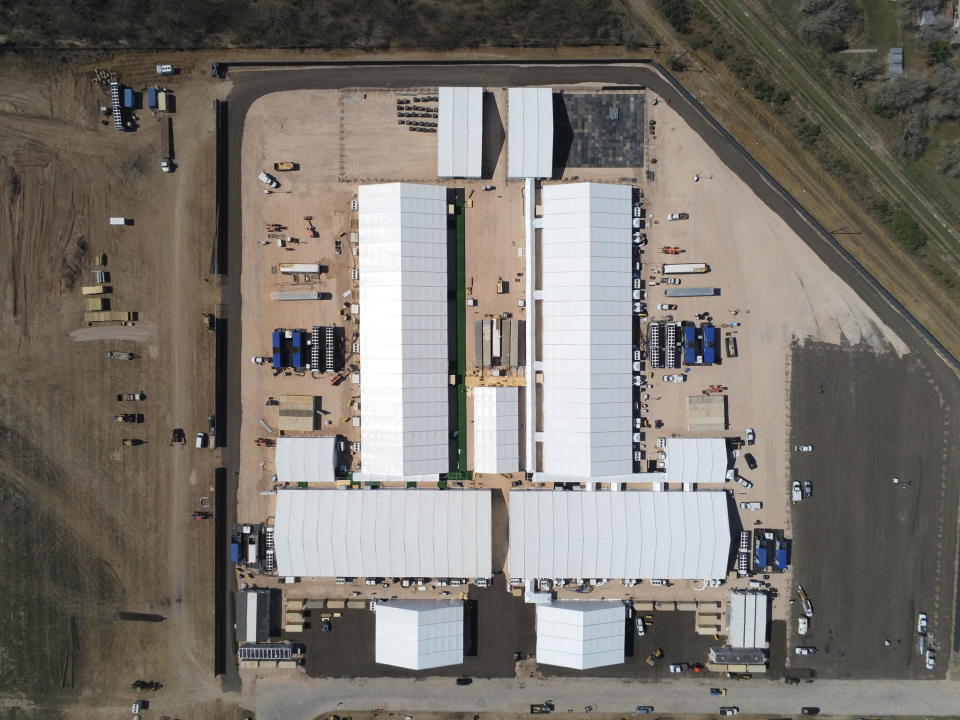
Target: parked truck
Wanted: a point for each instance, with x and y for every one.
(690, 292)
(685, 268)
(166, 144)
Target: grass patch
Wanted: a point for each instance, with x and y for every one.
(881, 29)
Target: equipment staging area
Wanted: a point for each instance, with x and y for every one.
(604, 342)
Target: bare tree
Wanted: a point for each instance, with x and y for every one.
(899, 94)
(950, 161)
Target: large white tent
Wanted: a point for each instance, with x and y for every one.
(460, 132)
(419, 634)
(628, 534)
(496, 429)
(306, 459)
(581, 634)
(383, 533)
(696, 460)
(749, 617)
(587, 332)
(530, 133)
(403, 334)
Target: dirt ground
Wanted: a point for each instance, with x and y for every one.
(98, 529)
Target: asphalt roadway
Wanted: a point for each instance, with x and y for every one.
(926, 358)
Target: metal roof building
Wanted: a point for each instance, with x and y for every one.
(253, 615)
(306, 459)
(403, 336)
(530, 133)
(419, 634)
(628, 534)
(696, 460)
(587, 336)
(581, 634)
(383, 533)
(749, 616)
(496, 429)
(460, 132)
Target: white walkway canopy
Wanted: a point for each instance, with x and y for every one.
(403, 334)
(587, 333)
(696, 460)
(383, 533)
(496, 429)
(306, 459)
(529, 133)
(460, 132)
(419, 634)
(581, 634)
(628, 534)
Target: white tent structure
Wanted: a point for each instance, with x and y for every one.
(460, 132)
(581, 634)
(587, 335)
(530, 133)
(696, 460)
(306, 459)
(403, 336)
(749, 617)
(383, 533)
(617, 535)
(419, 634)
(496, 429)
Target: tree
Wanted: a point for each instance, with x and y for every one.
(950, 161)
(898, 95)
(678, 14)
(827, 22)
(913, 142)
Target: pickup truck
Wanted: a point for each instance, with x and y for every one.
(268, 180)
(678, 216)
(796, 492)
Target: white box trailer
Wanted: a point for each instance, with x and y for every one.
(296, 295)
(300, 268)
(685, 268)
(119, 221)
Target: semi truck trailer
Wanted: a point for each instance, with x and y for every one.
(685, 268)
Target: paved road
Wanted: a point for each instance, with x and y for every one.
(861, 697)
(286, 700)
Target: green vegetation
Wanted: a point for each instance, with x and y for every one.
(950, 161)
(374, 24)
(826, 23)
(898, 95)
(880, 23)
(905, 229)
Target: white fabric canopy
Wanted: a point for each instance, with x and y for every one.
(696, 460)
(383, 533)
(403, 332)
(530, 133)
(419, 634)
(581, 634)
(628, 534)
(587, 330)
(460, 132)
(496, 429)
(749, 616)
(306, 459)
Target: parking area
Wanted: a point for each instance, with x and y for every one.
(870, 553)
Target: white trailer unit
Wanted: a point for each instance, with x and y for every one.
(300, 268)
(119, 221)
(685, 268)
(296, 295)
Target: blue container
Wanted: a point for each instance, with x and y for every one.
(690, 335)
(761, 557)
(690, 355)
(277, 361)
(128, 97)
(277, 340)
(152, 98)
(235, 550)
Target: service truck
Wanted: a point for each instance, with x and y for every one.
(685, 268)
(166, 144)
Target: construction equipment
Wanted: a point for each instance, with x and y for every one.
(117, 355)
(130, 442)
(265, 442)
(128, 418)
(202, 515)
(670, 250)
(286, 165)
(311, 230)
(805, 601)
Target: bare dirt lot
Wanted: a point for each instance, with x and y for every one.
(95, 529)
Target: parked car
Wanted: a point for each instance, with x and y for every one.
(729, 710)
(674, 378)
(930, 660)
(803, 625)
(803, 448)
(464, 680)
(922, 623)
(805, 650)
(643, 710)
(641, 629)
(672, 281)
(751, 436)
(488, 188)
(678, 216)
(732, 475)
(718, 691)
(679, 667)
(796, 492)
(743, 481)
(750, 460)
(808, 710)
(807, 489)
(791, 680)
(268, 180)
(201, 439)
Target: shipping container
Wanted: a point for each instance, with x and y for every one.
(305, 268)
(96, 289)
(164, 101)
(152, 98)
(119, 221)
(128, 98)
(690, 292)
(297, 295)
(684, 268)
